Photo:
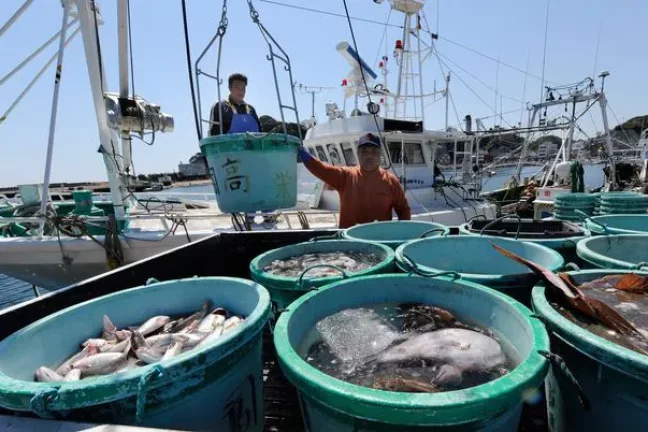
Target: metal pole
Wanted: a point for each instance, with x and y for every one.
(36, 78)
(525, 146)
(608, 142)
(15, 16)
(122, 42)
(106, 136)
(52, 127)
(400, 70)
(447, 99)
(570, 134)
(420, 71)
(35, 53)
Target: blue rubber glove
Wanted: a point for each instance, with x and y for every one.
(304, 155)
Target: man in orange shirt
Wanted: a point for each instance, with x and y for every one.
(367, 192)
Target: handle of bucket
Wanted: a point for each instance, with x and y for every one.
(643, 265)
(586, 218)
(155, 372)
(559, 364)
(477, 217)
(38, 403)
(335, 236)
(151, 281)
(572, 266)
(441, 230)
(414, 268)
(519, 227)
(300, 280)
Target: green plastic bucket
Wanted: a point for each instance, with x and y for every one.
(624, 251)
(207, 388)
(252, 171)
(475, 260)
(614, 378)
(618, 224)
(329, 404)
(394, 233)
(284, 290)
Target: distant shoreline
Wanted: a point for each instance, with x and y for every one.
(101, 186)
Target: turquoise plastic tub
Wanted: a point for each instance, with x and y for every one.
(205, 388)
(284, 290)
(614, 378)
(618, 224)
(329, 404)
(475, 259)
(252, 171)
(394, 233)
(624, 251)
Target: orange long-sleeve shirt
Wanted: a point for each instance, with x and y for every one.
(365, 196)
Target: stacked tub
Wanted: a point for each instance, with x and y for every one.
(566, 206)
(623, 203)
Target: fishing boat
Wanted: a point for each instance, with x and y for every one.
(43, 249)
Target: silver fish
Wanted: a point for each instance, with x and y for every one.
(99, 364)
(115, 347)
(44, 374)
(131, 363)
(109, 329)
(173, 350)
(73, 375)
(215, 334)
(165, 339)
(153, 324)
(231, 323)
(66, 366)
(193, 339)
(122, 334)
(149, 355)
(197, 316)
(138, 341)
(100, 343)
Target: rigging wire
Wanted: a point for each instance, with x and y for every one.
(382, 40)
(619, 123)
(460, 45)
(189, 69)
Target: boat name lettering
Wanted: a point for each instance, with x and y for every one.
(410, 181)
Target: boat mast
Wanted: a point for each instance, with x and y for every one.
(122, 42)
(111, 156)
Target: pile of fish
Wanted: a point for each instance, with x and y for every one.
(158, 338)
(406, 348)
(614, 307)
(348, 261)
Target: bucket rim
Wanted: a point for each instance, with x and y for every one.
(259, 136)
(463, 229)
(264, 277)
(614, 230)
(418, 405)
(586, 342)
(346, 235)
(583, 251)
(128, 381)
(558, 260)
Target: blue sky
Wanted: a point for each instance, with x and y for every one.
(508, 29)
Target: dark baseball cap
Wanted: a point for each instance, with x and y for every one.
(369, 139)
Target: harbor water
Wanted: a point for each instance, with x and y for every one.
(13, 291)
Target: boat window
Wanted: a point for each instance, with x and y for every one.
(413, 153)
(349, 156)
(311, 151)
(321, 154)
(336, 157)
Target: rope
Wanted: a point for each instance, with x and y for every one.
(557, 362)
(38, 403)
(189, 70)
(155, 372)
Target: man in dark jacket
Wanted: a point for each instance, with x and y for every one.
(237, 116)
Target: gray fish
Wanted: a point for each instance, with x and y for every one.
(453, 352)
(99, 364)
(197, 316)
(165, 339)
(153, 324)
(44, 374)
(122, 335)
(109, 329)
(191, 328)
(73, 375)
(138, 341)
(130, 364)
(97, 342)
(193, 339)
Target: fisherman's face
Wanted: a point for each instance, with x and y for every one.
(369, 157)
(237, 91)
